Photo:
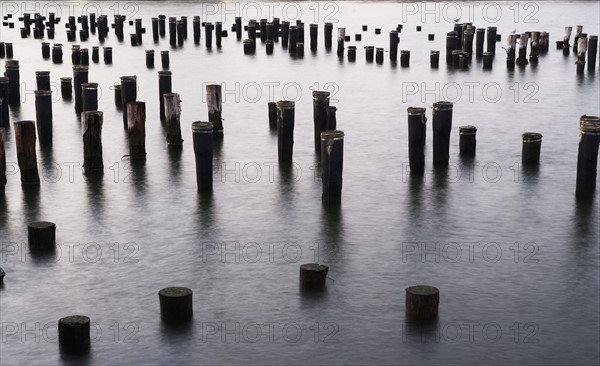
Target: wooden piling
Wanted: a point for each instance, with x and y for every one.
(592, 51)
(26, 153)
(320, 107)
(331, 119)
(369, 53)
(74, 334)
(80, 76)
(442, 127)
(534, 47)
(582, 43)
(66, 88)
(522, 52)
(42, 80)
(150, 59)
(394, 40)
(285, 130)
(161, 24)
(293, 40)
(434, 59)
(208, 28)
(285, 33)
(14, 82)
(2, 164)
(351, 53)
(269, 47)
(238, 28)
(218, 33)
(75, 55)
(136, 128)
(422, 303)
(107, 55)
(41, 235)
(95, 54)
(451, 45)
(175, 304)
(328, 30)
(172, 31)
(118, 96)
(4, 110)
(467, 43)
(341, 35)
(479, 40)
(89, 97)
(155, 37)
(214, 101)
(172, 105)
(566, 39)
(511, 42)
(84, 57)
(272, 107)
(202, 133)
(313, 277)
(164, 87)
(332, 166)
(578, 33)
(180, 32)
(128, 94)
(379, 55)
(164, 59)
(314, 36)
(532, 144)
(587, 156)
(491, 40)
(467, 142)
(417, 123)
(196, 29)
(488, 59)
(91, 126)
(45, 50)
(404, 58)
(43, 116)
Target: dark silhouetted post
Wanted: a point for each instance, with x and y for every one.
(467, 142)
(442, 127)
(164, 87)
(587, 156)
(417, 123)
(394, 45)
(42, 80)
(328, 31)
(128, 94)
(136, 128)
(314, 34)
(434, 59)
(592, 51)
(313, 277)
(74, 334)
(150, 59)
(175, 304)
(202, 133)
(172, 115)
(196, 27)
(26, 155)
(422, 303)
(320, 107)
(285, 130)
(491, 39)
(89, 97)
(332, 166)
(164, 59)
(532, 144)
(14, 82)
(214, 101)
(91, 126)
(43, 116)
(80, 76)
(66, 88)
(272, 115)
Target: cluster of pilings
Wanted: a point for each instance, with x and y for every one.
(582, 44)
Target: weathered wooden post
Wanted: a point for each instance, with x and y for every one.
(285, 33)
(534, 45)
(80, 76)
(2, 167)
(45, 50)
(180, 32)
(532, 144)
(74, 334)
(491, 39)
(262, 26)
(41, 235)
(164, 87)
(248, 47)
(581, 50)
(215, 105)
(369, 53)
(172, 115)
(488, 59)
(467, 44)
(394, 40)
(293, 40)
(164, 59)
(320, 108)
(314, 36)
(467, 142)
(451, 45)
(161, 25)
(136, 128)
(511, 42)
(175, 304)
(404, 58)
(89, 97)
(4, 110)
(331, 119)
(173, 31)
(587, 156)
(313, 277)
(328, 31)
(118, 96)
(128, 94)
(107, 55)
(341, 35)
(84, 57)
(332, 166)
(272, 107)
(442, 127)
(208, 28)
(155, 37)
(43, 116)
(57, 53)
(522, 56)
(75, 55)
(196, 27)
(379, 55)
(91, 126)
(269, 47)
(434, 59)
(285, 130)
(26, 155)
(150, 59)
(66, 88)
(578, 34)
(2, 50)
(14, 82)
(417, 123)
(8, 48)
(202, 133)
(95, 54)
(42, 80)
(422, 303)
(566, 39)
(218, 33)
(238, 28)
(351, 53)
(592, 51)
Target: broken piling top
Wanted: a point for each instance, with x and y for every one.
(532, 137)
(202, 127)
(332, 135)
(589, 125)
(74, 333)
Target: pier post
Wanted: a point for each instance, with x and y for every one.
(42, 80)
(592, 51)
(41, 235)
(43, 116)
(581, 50)
(128, 94)
(14, 82)
(107, 55)
(328, 31)
(285, 131)
(89, 97)
(196, 27)
(91, 127)
(66, 88)
(164, 87)
(175, 304)
(80, 77)
(332, 166)
(150, 59)
(341, 35)
(417, 123)
(202, 133)
(314, 36)
(320, 109)
(215, 106)
(587, 156)
(313, 277)
(394, 40)
(172, 115)
(26, 153)
(434, 59)
(422, 302)
(491, 39)
(272, 115)
(74, 334)
(442, 128)
(532, 144)
(164, 59)
(136, 128)
(467, 142)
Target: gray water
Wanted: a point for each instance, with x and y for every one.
(514, 255)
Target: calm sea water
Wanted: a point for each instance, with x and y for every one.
(515, 257)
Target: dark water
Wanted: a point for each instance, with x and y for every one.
(514, 255)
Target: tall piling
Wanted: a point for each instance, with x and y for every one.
(532, 144)
(172, 116)
(26, 154)
(332, 166)
(91, 128)
(394, 40)
(587, 156)
(89, 97)
(196, 28)
(442, 127)
(128, 94)
(582, 43)
(164, 87)
(80, 76)
(14, 82)
(215, 106)
(592, 52)
(320, 107)
(327, 32)
(4, 110)
(42, 80)
(417, 123)
(491, 39)
(202, 133)
(341, 35)
(136, 129)
(285, 130)
(43, 116)
(314, 36)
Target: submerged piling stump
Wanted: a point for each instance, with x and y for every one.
(313, 277)
(175, 304)
(202, 133)
(422, 303)
(74, 334)
(532, 144)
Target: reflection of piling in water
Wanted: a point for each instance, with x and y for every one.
(203, 151)
(332, 166)
(417, 123)
(422, 302)
(587, 156)
(91, 127)
(313, 277)
(532, 144)
(26, 154)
